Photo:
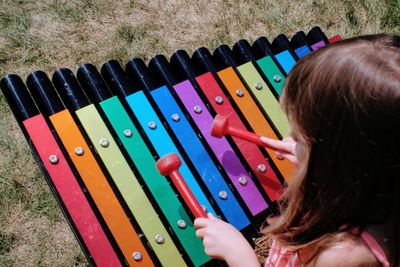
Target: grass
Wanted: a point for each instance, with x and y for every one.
(392, 14)
(47, 34)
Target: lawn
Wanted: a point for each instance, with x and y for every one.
(46, 34)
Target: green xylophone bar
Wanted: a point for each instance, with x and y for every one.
(137, 148)
(284, 53)
(159, 137)
(270, 69)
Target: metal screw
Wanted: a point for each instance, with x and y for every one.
(137, 256)
(259, 86)
(152, 125)
(223, 195)
(277, 78)
(219, 100)
(53, 159)
(128, 133)
(243, 180)
(104, 142)
(175, 117)
(197, 109)
(262, 168)
(79, 151)
(239, 92)
(160, 239)
(182, 224)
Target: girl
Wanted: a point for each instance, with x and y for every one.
(343, 206)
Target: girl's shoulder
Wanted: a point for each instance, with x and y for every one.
(355, 248)
(350, 251)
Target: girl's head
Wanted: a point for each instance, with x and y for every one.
(343, 102)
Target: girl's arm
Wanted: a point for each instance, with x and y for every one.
(223, 241)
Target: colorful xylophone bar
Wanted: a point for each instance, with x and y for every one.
(97, 137)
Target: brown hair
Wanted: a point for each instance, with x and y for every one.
(344, 104)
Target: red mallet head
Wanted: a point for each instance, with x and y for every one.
(220, 126)
(168, 166)
(168, 163)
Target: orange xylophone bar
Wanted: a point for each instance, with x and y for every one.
(116, 220)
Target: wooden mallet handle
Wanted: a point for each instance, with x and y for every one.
(169, 165)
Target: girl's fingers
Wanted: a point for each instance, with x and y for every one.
(288, 139)
(286, 146)
(289, 157)
(293, 159)
(279, 155)
(211, 216)
(200, 233)
(201, 222)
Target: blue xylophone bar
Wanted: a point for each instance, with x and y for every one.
(166, 106)
(300, 45)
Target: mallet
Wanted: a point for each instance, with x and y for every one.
(168, 165)
(221, 127)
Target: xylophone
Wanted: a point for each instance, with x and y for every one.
(97, 137)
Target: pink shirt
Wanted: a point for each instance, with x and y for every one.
(282, 257)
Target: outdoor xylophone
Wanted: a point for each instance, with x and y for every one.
(97, 137)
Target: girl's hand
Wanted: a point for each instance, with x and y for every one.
(222, 241)
(285, 149)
